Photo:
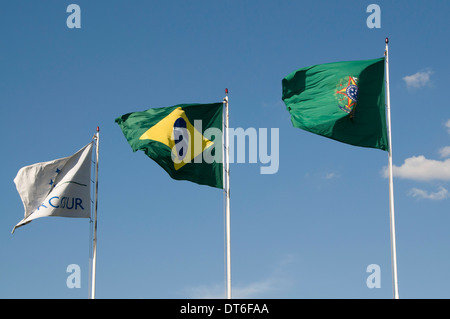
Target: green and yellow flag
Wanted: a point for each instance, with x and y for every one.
(344, 101)
(185, 140)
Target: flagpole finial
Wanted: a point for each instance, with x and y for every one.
(386, 40)
(226, 91)
(98, 129)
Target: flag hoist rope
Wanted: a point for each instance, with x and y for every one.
(226, 184)
(94, 258)
(391, 182)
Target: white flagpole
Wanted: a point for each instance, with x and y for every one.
(94, 258)
(391, 182)
(227, 193)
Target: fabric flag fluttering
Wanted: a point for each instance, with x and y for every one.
(347, 102)
(344, 101)
(56, 188)
(185, 140)
(190, 142)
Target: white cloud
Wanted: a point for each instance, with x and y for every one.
(206, 292)
(445, 151)
(259, 289)
(418, 80)
(421, 169)
(441, 194)
(252, 290)
(331, 175)
(256, 289)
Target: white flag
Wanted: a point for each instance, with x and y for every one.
(56, 188)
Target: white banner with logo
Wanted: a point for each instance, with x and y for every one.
(56, 188)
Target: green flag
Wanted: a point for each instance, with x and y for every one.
(185, 140)
(344, 101)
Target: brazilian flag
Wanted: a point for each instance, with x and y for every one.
(185, 140)
(344, 101)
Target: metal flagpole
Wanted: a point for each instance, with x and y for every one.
(94, 258)
(391, 182)
(227, 193)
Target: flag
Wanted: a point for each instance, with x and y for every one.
(185, 140)
(344, 101)
(57, 188)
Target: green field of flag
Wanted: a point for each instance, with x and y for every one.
(344, 101)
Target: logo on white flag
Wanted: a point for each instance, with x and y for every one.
(56, 188)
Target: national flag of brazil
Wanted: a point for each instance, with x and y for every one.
(185, 140)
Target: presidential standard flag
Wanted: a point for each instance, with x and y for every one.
(344, 101)
(185, 140)
(57, 188)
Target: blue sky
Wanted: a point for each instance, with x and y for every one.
(308, 231)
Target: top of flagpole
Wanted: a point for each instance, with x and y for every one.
(226, 95)
(98, 129)
(386, 40)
